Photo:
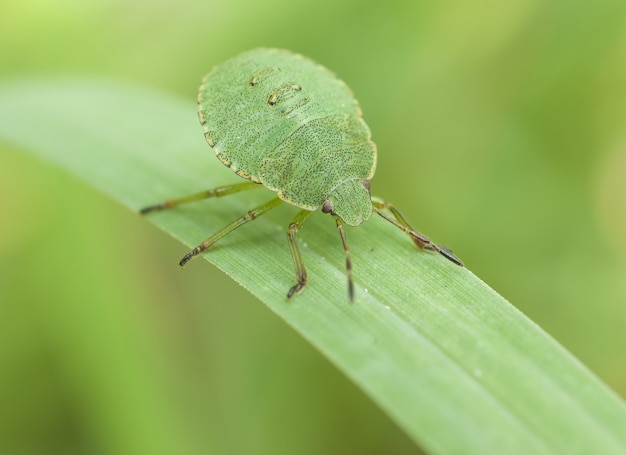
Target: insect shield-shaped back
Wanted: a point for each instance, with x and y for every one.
(280, 119)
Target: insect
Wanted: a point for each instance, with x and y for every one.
(282, 121)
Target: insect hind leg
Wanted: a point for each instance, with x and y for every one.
(399, 221)
(219, 191)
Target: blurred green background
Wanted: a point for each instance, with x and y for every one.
(501, 129)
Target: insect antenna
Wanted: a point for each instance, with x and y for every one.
(346, 250)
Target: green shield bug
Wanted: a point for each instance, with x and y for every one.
(282, 121)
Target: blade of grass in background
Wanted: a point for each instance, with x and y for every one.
(451, 361)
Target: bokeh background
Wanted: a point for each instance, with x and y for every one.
(501, 129)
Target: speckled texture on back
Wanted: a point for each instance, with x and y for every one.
(280, 119)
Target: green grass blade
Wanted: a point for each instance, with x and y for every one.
(450, 360)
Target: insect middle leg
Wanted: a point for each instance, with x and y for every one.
(250, 215)
(220, 191)
(401, 223)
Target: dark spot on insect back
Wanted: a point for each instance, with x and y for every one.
(263, 74)
(283, 93)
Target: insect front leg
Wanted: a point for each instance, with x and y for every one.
(346, 250)
(401, 223)
(220, 191)
(298, 262)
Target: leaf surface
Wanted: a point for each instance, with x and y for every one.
(452, 362)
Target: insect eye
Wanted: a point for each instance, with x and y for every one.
(327, 206)
(366, 184)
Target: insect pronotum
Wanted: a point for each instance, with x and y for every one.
(282, 121)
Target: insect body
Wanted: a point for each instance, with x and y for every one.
(279, 120)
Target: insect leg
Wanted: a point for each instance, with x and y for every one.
(401, 223)
(346, 250)
(247, 217)
(215, 192)
(298, 261)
